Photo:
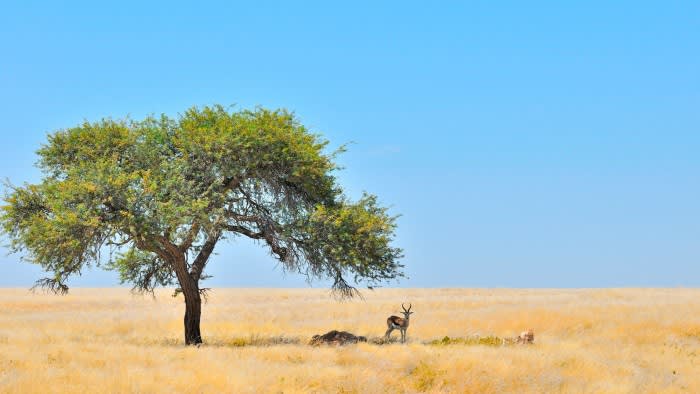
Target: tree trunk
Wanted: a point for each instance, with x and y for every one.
(193, 312)
(193, 303)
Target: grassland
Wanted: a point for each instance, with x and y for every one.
(107, 340)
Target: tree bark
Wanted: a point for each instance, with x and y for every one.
(193, 303)
(193, 312)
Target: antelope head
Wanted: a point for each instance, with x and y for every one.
(406, 312)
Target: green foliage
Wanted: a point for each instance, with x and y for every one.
(137, 266)
(160, 193)
(348, 237)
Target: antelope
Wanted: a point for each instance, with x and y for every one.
(400, 323)
(526, 336)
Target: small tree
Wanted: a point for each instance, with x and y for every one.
(159, 194)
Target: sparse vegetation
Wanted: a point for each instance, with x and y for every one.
(475, 340)
(631, 340)
(257, 340)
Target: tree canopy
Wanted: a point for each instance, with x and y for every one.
(160, 193)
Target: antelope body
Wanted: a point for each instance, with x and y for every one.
(399, 323)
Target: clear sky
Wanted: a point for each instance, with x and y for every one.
(524, 143)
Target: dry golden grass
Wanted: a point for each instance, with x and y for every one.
(107, 340)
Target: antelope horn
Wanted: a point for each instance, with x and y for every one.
(409, 308)
(404, 308)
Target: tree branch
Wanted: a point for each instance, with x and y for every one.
(241, 218)
(170, 248)
(201, 260)
(150, 247)
(228, 184)
(54, 285)
(191, 235)
(250, 200)
(232, 182)
(245, 231)
(120, 243)
(266, 234)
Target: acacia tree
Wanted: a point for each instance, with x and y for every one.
(161, 193)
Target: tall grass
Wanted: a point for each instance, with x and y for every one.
(107, 340)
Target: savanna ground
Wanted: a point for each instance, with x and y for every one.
(108, 340)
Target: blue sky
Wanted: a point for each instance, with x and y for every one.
(526, 144)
